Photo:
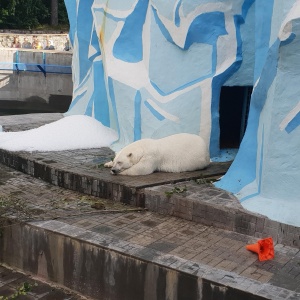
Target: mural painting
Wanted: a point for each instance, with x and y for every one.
(151, 68)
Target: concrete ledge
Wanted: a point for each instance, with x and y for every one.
(208, 205)
(120, 252)
(26, 123)
(77, 170)
(103, 267)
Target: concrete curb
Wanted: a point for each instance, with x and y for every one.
(103, 267)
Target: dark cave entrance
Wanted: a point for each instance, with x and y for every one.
(233, 110)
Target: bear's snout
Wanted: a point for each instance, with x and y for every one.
(114, 171)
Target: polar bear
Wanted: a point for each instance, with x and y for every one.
(176, 153)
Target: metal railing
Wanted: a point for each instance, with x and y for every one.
(35, 67)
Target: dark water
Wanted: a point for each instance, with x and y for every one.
(55, 104)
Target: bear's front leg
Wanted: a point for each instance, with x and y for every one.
(109, 164)
(141, 168)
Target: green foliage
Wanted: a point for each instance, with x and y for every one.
(21, 291)
(29, 14)
(176, 190)
(208, 180)
(62, 13)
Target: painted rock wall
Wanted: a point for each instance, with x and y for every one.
(151, 68)
(266, 172)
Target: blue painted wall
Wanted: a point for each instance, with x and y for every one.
(152, 68)
(265, 175)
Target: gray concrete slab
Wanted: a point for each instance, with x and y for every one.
(28, 121)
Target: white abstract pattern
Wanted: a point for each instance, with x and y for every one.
(152, 68)
(156, 64)
(265, 174)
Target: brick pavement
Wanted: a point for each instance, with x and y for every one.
(82, 170)
(212, 247)
(195, 247)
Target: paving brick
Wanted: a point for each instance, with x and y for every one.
(178, 242)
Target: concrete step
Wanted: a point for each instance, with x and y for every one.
(205, 204)
(195, 199)
(83, 171)
(121, 252)
(161, 236)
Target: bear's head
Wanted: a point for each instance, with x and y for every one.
(126, 159)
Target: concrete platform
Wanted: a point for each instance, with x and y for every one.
(28, 121)
(162, 236)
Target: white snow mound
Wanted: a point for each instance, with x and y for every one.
(69, 133)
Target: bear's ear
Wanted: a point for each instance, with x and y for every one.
(129, 155)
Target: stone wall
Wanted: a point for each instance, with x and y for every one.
(59, 41)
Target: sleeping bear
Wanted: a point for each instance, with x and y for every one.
(176, 153)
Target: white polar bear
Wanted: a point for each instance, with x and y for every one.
(176, 153)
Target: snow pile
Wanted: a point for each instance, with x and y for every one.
(69, 133)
